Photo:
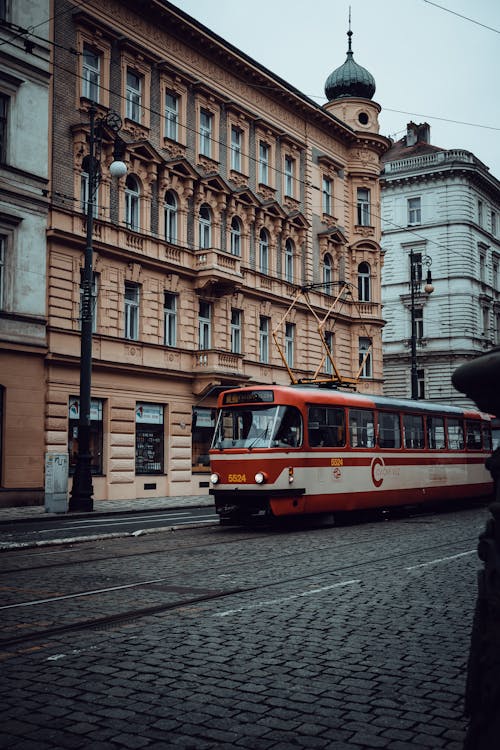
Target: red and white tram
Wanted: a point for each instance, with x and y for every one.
(303, 449)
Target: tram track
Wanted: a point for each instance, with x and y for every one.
(130, 615)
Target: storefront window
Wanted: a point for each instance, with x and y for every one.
(149, 451)
(95, 434)
(203, 430)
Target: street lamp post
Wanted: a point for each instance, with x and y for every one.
(415, 282)
(82, 490)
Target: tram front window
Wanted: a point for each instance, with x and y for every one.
(258, 427)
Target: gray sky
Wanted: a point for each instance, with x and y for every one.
(429, 64)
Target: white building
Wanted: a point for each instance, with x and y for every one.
(442, 209)
(24, 107)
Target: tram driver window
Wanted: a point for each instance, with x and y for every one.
(455, 434)
(435, 433)
(389, 432)
(413, 430)
(361, 428)
(326, 427)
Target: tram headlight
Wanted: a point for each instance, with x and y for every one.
(214, 478)
(260, 477)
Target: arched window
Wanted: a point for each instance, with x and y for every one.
(205, 226)
(364, 282)
(170, 208)
(236, 236)
(288, 269)
(132, 203)
(264, 251)
(327, 273)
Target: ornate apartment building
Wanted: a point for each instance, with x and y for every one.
(24, 173)
(241, 244)
(441, 208)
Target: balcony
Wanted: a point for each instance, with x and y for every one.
(217, 272)
(216, 367)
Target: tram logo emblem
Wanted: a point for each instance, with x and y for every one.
(380, 471)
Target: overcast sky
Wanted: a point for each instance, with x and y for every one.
(429, 64)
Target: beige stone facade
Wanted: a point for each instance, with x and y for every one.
(239, 192)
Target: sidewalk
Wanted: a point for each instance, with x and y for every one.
(104, 507)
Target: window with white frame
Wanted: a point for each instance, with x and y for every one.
(205, 325)
(363, 207)
(329, 345)
(289, 248)
(170, 211)
(132, 203)
(171, 116)
(205, 227)
(91, 73)
(264, 151)
(206, 127)
(482, 266)
(421, 383)
(3, 251)
(236, 328)
(364, 292)
(4, 111)
(131, 310)
(93, 299)
(326, 195)
(289, 175)
(290, 343)
(170, 319)
(264, 251)
(418, 317)
(416, 269)
(236, 145)
(414, 211)
(235, 235)
(86, 200)
(133, 95)
(264, 340)
(365, 357)
(327, 273)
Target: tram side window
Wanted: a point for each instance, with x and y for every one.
(389, 432)
(435, 433)
(326, 427)
(455, 435)
(413, 430)
(361, 428)
(487, 442)
(473, 435)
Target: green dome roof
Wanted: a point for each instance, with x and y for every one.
(350, 79)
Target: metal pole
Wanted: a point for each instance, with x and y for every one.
(82, 491)
(414, 375)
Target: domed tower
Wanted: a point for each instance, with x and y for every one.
(349, 90)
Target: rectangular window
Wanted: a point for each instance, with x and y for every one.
(361, 428)
(363, 197)
(480, 213)
(413, 431)
(236, 328)
(4, 110)
(264, 340)
(93, 298)
(473, 435)
(205, 318)
(149, 450)
(365, 358)
(290, 343)
(493, 223)
(421, 383)
(96, 434)
(482, 267)
(203, 423)
(419, 322)
(134, 96)
(329, 341)
(131, 311)
(86, 198)
(389, 431)
(455, 432)
(263, 163)
(435, 433)
(171, 116)
(170, 319)
(236, 140)
(91, 74)
(414, 211)
(327, 196)
(289, 175)
(206, 122)
(3, 251)
(326, 427)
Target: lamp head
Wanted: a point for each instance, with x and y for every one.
(118, 169)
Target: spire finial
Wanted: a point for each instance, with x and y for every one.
(349, 33)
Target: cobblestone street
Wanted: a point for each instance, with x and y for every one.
(338, 637)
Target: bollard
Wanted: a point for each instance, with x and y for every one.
(480, 381)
